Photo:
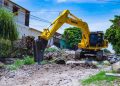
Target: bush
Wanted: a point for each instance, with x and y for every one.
(5, 46)
(28, 60)
(50, 50)
(19, 63)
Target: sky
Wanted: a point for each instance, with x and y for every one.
(96, 13)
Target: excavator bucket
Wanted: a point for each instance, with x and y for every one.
(39, 46)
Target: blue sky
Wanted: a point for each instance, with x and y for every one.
(96, 13)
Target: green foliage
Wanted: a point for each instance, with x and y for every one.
(113, 34)
(19, 63)
(8, 29)
(72, 36)
(28, 60)
(5, 46)
(50, 49)
(97, 78)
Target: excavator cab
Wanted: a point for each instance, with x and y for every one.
(96, 39)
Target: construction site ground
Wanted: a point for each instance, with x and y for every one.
(47, 75)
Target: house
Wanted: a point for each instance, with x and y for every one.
(21, 14)
(56, 39)
(22, 17)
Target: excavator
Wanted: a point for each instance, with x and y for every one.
(91, 42)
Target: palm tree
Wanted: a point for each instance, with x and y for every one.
(8, 28)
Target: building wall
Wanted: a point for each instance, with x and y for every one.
(27, 31)
(34, 33)
(20, 14)
(22, 20)
(22, 30)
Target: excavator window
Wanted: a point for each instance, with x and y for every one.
(96, 39)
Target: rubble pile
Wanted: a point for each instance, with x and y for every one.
(113, 59)
(52, 55)
(63, 54)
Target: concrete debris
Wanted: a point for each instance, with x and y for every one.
(112, 74)
(116, 67)
(66, 54)
(113, 59)
(52, 55)
(106, 63)
(82, 62)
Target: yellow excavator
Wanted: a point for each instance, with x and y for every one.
(91, 42)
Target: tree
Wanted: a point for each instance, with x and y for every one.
(8, 29)
(113, 33)
(72, 36)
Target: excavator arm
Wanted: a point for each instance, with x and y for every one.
(65, 17)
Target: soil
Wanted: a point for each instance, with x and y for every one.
(47, 75)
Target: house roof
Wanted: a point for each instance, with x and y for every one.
(35, 30)
(58, 34)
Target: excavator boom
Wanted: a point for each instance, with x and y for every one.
(67, 17)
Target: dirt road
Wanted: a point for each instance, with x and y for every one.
(47, 75)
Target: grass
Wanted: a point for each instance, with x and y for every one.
(19, 63)
(28, 60)
(47, 62)
(98, 77)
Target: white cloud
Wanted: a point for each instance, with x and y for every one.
(60, 1)
(80, 1)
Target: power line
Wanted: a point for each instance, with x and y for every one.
(39, 19)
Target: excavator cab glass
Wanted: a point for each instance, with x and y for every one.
(96, 39)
